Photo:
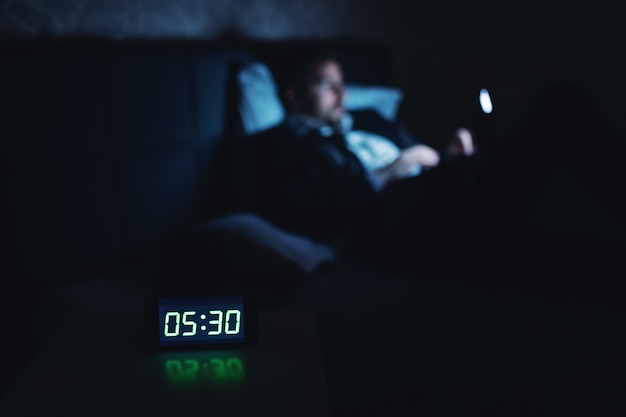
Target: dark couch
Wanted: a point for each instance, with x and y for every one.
(109, 149)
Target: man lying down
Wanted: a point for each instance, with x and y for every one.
(319, 172)
(371, 191)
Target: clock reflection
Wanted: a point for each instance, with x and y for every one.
(196, 368)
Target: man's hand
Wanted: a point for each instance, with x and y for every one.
(422, 155)
(462, 144)
(410, 159)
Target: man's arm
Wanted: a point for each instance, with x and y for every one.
(410, 160)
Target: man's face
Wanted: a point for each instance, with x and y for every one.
(325, 93)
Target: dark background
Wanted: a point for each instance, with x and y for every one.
(443, 52)
(515, 46)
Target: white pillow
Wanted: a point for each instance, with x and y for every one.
(385, 100)
(260, 106)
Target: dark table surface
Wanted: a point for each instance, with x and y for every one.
(435, 346)
(98, 364)
(397, 345)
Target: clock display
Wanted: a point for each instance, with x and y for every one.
(184, 321)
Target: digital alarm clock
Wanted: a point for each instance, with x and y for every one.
(219, 321)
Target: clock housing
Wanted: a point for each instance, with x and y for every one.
(215, 321)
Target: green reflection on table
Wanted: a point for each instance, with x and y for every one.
(194, 368)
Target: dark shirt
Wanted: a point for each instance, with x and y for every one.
(313, 184)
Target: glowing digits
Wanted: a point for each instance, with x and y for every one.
(227, 326)
(221, 323)
(191, 323)
(176, 331)
(236, 329)
(167, 324)
(217, 322)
